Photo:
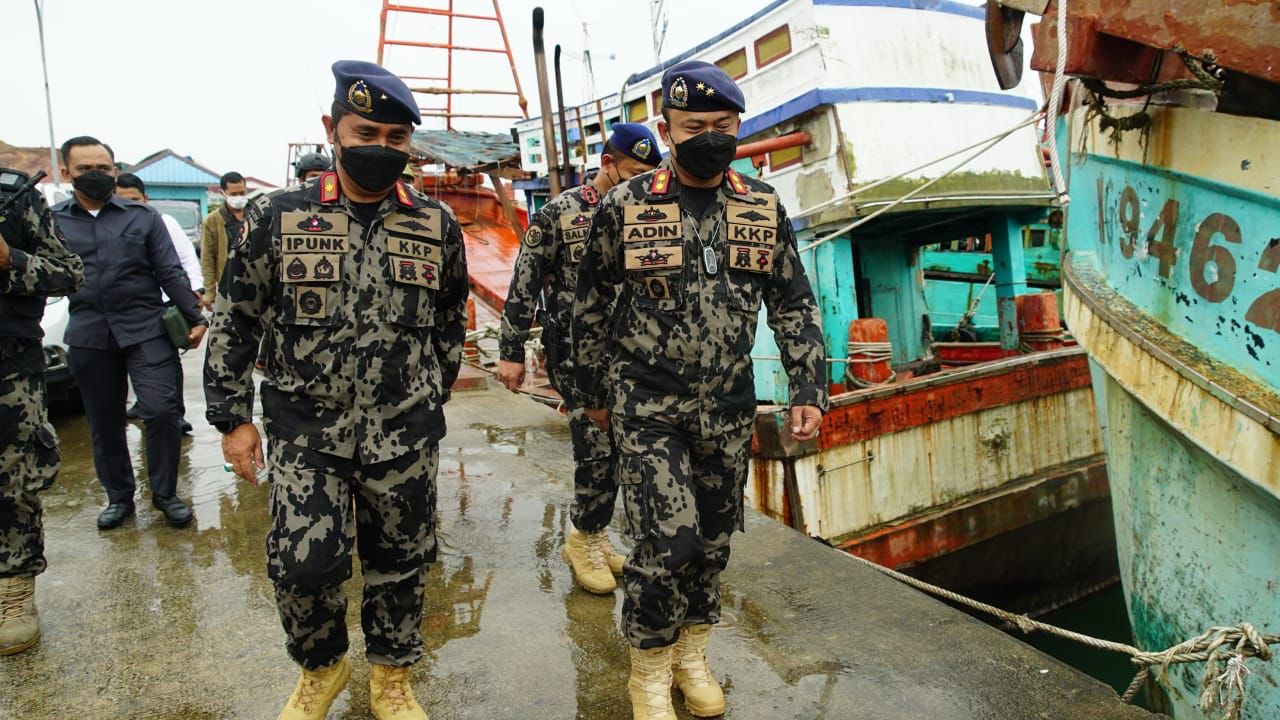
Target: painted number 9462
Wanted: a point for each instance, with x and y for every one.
(1211, 266)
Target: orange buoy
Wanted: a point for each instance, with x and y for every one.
(1039, 325)
(869, 353)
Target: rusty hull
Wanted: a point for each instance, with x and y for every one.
(1239, 34)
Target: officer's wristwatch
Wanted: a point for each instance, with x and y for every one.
(226, 426)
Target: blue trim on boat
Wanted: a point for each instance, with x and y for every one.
(942, 6)
(704, 45)
(836, 96)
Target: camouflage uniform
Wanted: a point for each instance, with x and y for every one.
(367, 327)
(679, 383)
(40, 265)
(552, 249)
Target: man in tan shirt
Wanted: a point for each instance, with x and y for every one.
(222, 229)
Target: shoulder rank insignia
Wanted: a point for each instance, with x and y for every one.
(590, 195)
(402, 195)
(661, 182)
(735, 182)
(329, 187)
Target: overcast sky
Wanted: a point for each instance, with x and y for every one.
(231, 83)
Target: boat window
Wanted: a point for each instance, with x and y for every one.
(637, 110)
(657, 102)
(773, 46)
(734, 64)
(534, 141)
(785, 157)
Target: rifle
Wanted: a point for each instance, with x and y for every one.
(9, 176)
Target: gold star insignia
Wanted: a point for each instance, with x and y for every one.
(702, 86)
(711, 91)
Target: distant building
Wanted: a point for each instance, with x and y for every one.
(170, 176)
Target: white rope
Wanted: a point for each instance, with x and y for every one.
(870, 352)
(1055, 104)
(1231, 646)
(925, 186)
(998, 136)
(867, 353)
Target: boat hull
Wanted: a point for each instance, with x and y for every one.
(1167, 288)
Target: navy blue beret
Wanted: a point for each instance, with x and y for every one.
(370, 91)
(637, 142)
(698, 86)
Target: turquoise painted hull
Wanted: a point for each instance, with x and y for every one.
(1197, 544)
(1180, 269)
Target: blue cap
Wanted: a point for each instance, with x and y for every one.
(637, 142)
(698, 86)
(370, 91)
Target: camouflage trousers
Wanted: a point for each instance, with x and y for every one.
(595, 483)
(322, 506)
(28, 464)
(682, 491)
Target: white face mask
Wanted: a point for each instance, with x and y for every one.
(237, 202)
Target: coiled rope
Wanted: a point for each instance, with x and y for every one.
(868, 353)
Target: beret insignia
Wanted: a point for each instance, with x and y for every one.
(678, 96)
(359, 98)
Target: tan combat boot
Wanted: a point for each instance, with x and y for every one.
(702, 694)
(614, 558)
(650, 684)
(19, 624)
(315, 692)
(586, 555)
(390, 697)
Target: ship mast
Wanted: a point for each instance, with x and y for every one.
(658, 22)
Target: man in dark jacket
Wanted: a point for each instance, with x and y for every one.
(117, 330)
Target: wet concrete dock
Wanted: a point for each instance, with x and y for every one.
(151, 622)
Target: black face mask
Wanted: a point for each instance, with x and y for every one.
(707, 154)
(373, 167)
(95, 185)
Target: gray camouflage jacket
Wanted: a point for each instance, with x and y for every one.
(550, 254)
(367, 324)
(680, 336)
(40, 265)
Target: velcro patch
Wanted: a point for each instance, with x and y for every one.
(752, 258)
(419, 222)
(575, 251)
(657, 288)
(574, 227)
(758, 216)
(412, 271)
(753, 234)
(667, 231)
(755, 199)
(311, 302)
(414, 248)
(654, 258)
(667, 212)
(325, 223)
(291, 244)
(311, 267)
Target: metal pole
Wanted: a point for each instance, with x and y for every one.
(569, 180)
(544, 99)
(48, 104)
(448, 103)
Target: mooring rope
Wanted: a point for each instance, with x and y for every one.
(1224, 650)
